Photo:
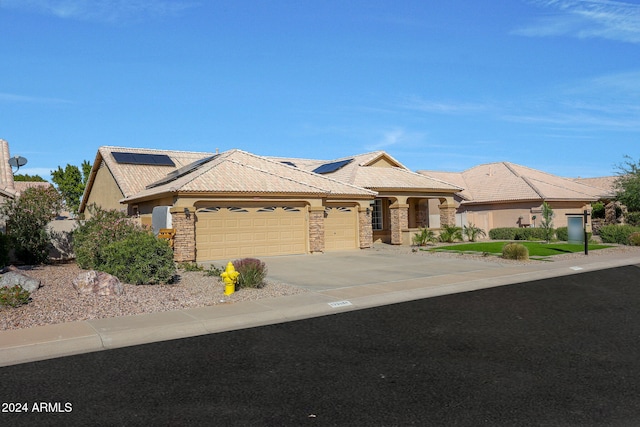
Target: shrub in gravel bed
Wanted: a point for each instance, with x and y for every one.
(515, 251)
(252, 273)
(140, 258)
(14, 296)
(617, 233)
(94, 234)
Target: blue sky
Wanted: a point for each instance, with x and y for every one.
(442, 85)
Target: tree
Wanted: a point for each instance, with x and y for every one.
(27, 218)
(71, 183)
(29, 178)
(627, 184)
(547, 221)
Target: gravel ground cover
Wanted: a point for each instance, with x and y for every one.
(58, 302)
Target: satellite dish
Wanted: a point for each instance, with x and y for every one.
(17, 161)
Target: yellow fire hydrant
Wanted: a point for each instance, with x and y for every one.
(229, 277)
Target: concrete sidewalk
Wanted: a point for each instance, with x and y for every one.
(337, 282)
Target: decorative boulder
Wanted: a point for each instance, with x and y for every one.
(13, 277)
(99, 283)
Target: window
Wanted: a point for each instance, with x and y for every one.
(376, 214)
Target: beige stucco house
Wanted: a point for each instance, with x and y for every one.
(237, 204)
(505, 194)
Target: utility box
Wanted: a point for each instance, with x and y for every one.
(160, 218)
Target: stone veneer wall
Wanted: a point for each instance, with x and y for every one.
(316, 229)
(184, 242)
(364, 228)
(447, 215)
(399, 222)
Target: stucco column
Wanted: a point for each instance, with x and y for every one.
(365, 229)
(447, 211)
(184, 242)
(316, 229)
(399, 221)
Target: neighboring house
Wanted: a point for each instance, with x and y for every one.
(505, 194)
(237, 204)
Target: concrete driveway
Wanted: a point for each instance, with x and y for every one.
(378, 265)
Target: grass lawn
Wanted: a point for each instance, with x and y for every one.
(536, 249)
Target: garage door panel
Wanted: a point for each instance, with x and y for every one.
(341, 225)
(228, 233)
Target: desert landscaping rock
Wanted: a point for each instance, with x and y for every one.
(98, 283)
(14, 277)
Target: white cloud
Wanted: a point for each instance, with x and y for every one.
(428, 106)
(101, 10)
(11, 97)
(608, 19)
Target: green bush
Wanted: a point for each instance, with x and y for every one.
(139, 258)
(14, 296)
(633, 218)
(515, 251)
(450, 233)
(634, 239)
(27, 220)
(252, 273)
(93, 235)
(472, 232)
(423, 237)
(5, 247)
(597, 210)
(517, 233)
(617, 233)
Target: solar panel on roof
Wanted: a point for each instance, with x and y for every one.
(142, 159)
(331, 167)
(289, 163)
(172, 176)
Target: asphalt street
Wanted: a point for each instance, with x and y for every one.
(554, 352)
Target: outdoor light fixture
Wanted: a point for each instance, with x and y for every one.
(187, 213)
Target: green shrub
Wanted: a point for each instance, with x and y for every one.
(14, 296)
(93, 235)
(617, 233)
(252, 273)
(515, 251)
(214, 271)
(633, 218)
(517, 233)
(472, 232)
(139, 258)
(562, 233)
(450, 233)
(597, 210)
(634, 239)
(27, 220)
(5, 247)
(423, 237)
(190, 266)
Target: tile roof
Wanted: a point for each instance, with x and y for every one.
(504, 181)
(236, 171)
(362, 173)
(134, 178)
(605, 183)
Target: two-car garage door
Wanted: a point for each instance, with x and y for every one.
(241, 232)
(231, 232)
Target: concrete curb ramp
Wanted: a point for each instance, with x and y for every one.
(45, 342)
